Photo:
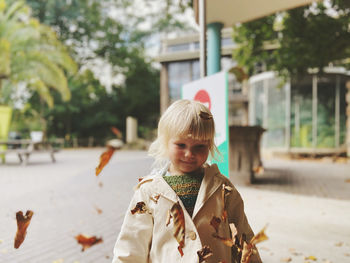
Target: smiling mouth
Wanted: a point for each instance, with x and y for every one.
(189, 163)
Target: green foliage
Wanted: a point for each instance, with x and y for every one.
(85, 26)
(292, 42)
(31, 54)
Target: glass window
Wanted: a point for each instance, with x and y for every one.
(180, 73)
(275, 136)
(227, 41)
(301, 113)
(342, 117)
(326, 111)
(178, 47)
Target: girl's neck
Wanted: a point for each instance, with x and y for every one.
(195, 172)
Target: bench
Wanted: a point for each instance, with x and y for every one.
(25, 148)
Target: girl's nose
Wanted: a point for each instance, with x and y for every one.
(189, 153)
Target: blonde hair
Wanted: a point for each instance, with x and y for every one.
(184, 118)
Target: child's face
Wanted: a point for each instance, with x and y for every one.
(187, 155)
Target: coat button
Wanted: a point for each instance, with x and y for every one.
(192, 235)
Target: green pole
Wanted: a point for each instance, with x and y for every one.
(214, 48)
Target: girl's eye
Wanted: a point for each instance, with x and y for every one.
(201, 147)
(181, 145)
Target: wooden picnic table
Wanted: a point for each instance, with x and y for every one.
(25, 147)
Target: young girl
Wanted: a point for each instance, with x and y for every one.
(183, 211)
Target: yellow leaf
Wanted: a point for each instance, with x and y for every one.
(311, 258)
(261, 236)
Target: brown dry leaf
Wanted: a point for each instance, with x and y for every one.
(142, 181)
(155, 198)
(288, 259)
(248, 248)
(339, 244)
(168, 217)
(261, 236)
(204, 253)
(177, 214)
(116, 132)
(347, 254)
(247, 252)
(258, 169)
(347, 181)
(227, 241)
(100, 184)
(140, 208)
(205, 116)
(311, 258)
(104, 159)
(98, 210)
(225, 190)
(215, 222)
(22, 225)
(87, 241)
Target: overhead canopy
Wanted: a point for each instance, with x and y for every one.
(230, 12)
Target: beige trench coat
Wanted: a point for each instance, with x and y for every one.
(146, 238)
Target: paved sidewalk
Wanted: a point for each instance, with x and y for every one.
(304, 177)
(305, 204)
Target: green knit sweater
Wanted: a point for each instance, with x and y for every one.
(186, 186)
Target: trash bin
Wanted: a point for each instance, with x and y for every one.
(245, 155)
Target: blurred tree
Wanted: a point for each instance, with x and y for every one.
(291, 42)
(31, 55)
(107, 31)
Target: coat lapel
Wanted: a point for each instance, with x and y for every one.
(161, 187)
(209, 185)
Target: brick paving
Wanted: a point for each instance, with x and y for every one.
(307, 206)
(305, 177)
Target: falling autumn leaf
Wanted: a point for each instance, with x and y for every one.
(22, 225)
(239, 73)
(225, 190)
(87, 241)
(215, 222)
(116, 132)
(140, 208)
(204, 253)
(258, 170)
(177, 214)
(227, 241)
(247, 249)
(260, 237)
(104, 159)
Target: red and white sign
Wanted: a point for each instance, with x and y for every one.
(203, 97)
(212, 92)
